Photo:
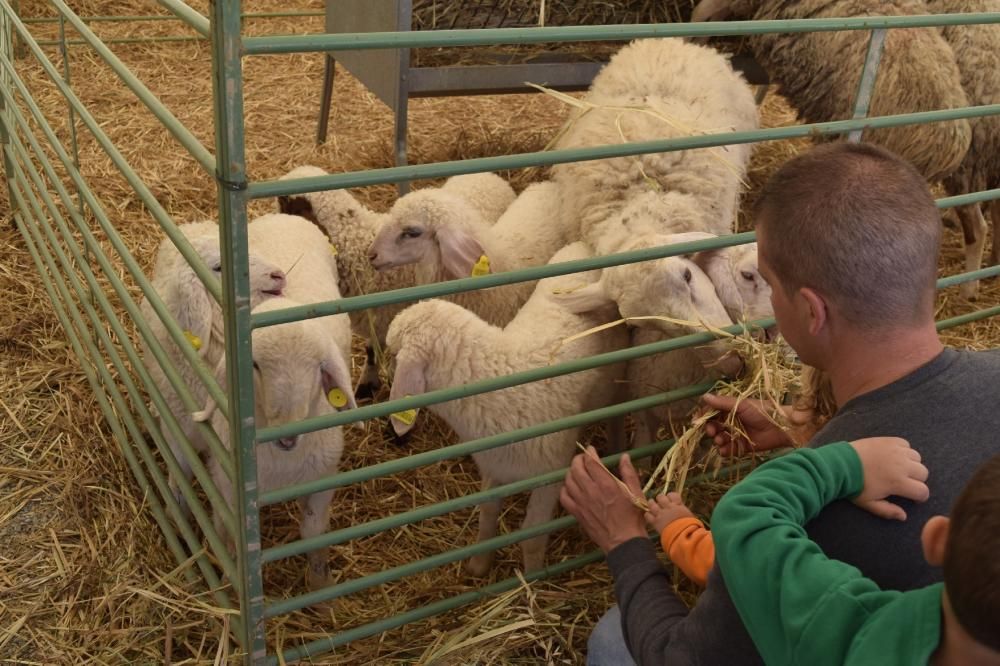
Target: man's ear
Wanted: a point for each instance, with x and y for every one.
(934, 539)
(818, 312)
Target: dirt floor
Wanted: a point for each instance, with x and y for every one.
(85, 575)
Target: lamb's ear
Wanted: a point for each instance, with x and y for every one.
(711, 10)
(592, 297)
(297, 205)
(409, 379)
(715, 264)
(334, 374)
(220, 378)
(192, 304)
(459, 251)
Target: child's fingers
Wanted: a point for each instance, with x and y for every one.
(918, 471)
(884, 509)
(914, 490)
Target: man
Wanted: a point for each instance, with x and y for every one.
(848, 237)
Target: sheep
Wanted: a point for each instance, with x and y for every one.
(295, 242)
(444, 238)
(744, 294)
(299, 372)
(819, 73)
(351, 228)
(657, 89)
(977, 51)
(200, 317)
(676, 288)
(440, 344)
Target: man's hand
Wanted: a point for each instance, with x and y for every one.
(601, 507)
(890, 467)
(763, 433)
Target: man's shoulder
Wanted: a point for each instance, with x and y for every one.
(985, 358)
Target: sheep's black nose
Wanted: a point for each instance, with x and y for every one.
(278, 275)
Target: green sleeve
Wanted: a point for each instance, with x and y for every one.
(798, 605)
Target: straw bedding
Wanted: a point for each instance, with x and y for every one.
(85, 572)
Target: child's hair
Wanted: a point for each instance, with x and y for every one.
(972, 557)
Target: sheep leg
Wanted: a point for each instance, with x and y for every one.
(225, 487)
(315, 510)
(541, 508)
(185, 466)
(974, 231)
(370, 381)
(617, 438)
(995, 217)
(489, 518)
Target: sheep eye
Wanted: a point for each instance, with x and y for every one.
(747, 275)
(411, 232)
(687, 275)
(217, 268)
(256, 367)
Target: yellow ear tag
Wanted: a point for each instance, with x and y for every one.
(336, 398)
(193, 339)
(333, 249)
(482, 267)
(407, 417)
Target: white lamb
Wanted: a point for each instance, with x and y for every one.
(351, 228)
(657, 89)
(311, 268)
(674, 293)
(444, 238)
(299, 372)
(440, 344)
(200, 317)
(745, 295)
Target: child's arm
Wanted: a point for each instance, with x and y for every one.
(683, 537)
(798, 605)
(689, 545)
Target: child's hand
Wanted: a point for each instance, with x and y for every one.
(890, 467)
(665, 509)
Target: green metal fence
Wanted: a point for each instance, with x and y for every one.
(55, 210)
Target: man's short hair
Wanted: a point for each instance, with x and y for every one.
(858, 224)
(971, 564)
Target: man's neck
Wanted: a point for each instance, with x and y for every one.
(868, 362)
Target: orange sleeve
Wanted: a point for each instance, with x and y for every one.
(689, 545)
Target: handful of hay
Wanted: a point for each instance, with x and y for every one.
(771, 374)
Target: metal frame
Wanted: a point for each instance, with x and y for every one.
(56, 229)
(388, 74)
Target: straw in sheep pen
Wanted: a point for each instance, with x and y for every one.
(68, 501)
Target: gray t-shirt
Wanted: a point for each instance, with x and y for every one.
(948, 409)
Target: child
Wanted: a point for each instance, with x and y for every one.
(800, 607)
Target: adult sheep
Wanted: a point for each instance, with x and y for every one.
(977, 51)
(819, 73)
